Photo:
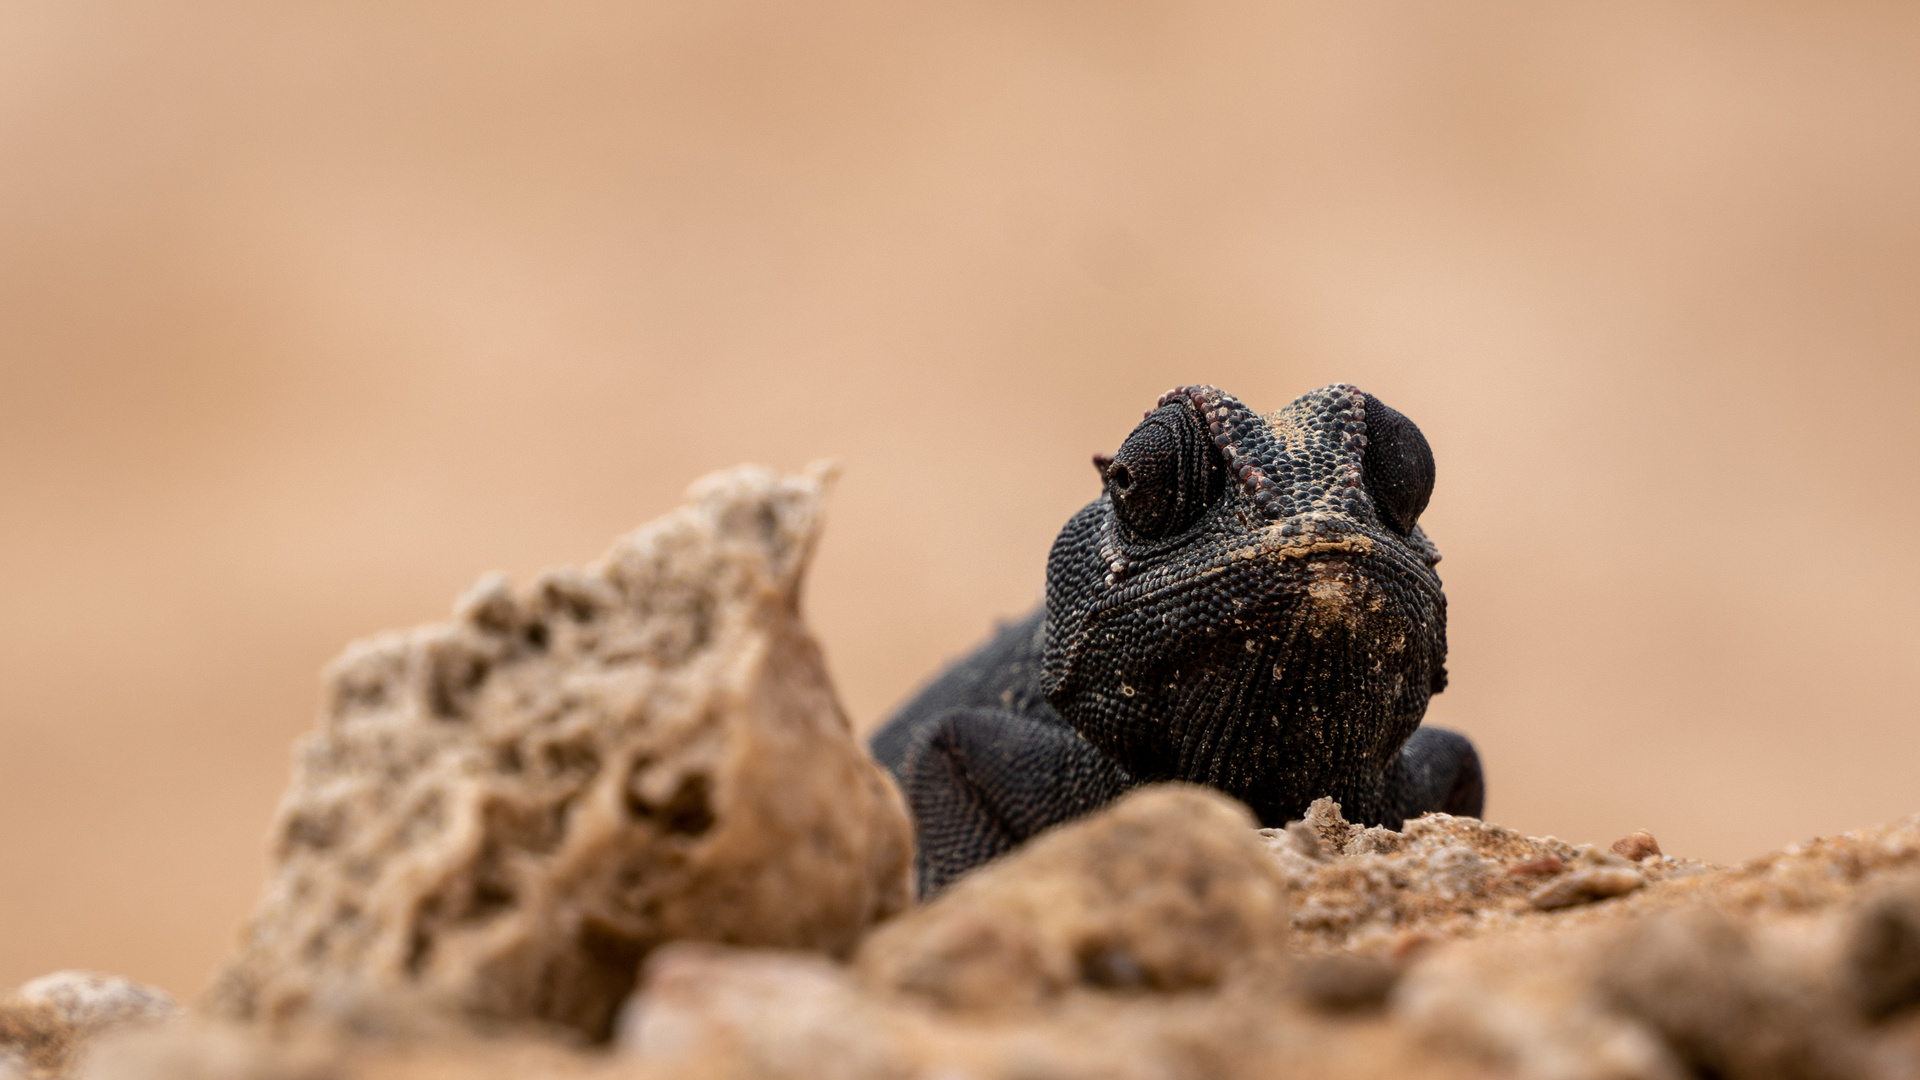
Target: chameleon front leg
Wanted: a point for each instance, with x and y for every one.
(1438, 771)
(981, 781)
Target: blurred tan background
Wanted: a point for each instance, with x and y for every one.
(310, 314)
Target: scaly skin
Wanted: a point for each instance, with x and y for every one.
(1249, 604)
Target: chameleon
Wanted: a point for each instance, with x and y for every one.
(1249, 604)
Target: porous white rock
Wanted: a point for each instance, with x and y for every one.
(500, 816)
(46, 1022)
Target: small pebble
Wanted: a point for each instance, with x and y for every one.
(1409, 944)
(87, 999)
(1585, 887)
(1540, 867)
(1636, 845)
(1345, 983)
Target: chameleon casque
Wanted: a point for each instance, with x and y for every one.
(1249, 604)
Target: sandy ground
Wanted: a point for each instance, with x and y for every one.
(309, 316)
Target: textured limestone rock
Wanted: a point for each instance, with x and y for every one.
(742, 1015)
(1167, 890)
(1387, 893)
(1725, 1004)
(197, 1049)
(1793, 966)
(710, 1012)
(1522, 1001)
(500, 816)
(46, 1022)
(724, 1012)
(1883, 950)
(1675, 993)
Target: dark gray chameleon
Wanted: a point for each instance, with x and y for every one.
(1249, 604)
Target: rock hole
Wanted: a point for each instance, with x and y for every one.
(355, 696)
(507, 758)
(1199, 885)
(563, 758)
(490, 898)
(572, 599)
(610, 970)
(1110, 967)
(419, 951)
(455, 675)
(685, 629)
(511, 826)
(687, 812)
(700, 624)
(426, 819)
(311, 831)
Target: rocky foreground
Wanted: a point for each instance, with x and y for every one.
(617, 825)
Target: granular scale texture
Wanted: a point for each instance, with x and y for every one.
(499, 817)
(1283, 646)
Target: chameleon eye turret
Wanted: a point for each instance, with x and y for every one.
(1249, 604)
(1165, 475)
(1398, 466)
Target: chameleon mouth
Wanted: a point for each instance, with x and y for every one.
(1316, 533)
(1320, 534)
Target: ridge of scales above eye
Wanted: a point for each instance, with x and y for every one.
(1250, 604)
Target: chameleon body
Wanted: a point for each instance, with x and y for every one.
(1249, 604)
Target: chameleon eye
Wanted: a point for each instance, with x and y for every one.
(1166, 474)
(1397, 466)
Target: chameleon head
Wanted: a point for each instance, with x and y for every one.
(1251, 603)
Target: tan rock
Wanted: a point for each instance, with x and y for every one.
(500, 816)
(1586, 886)
(1800, 964)
(201, 1050)
(714, 1011)
(1169, 889)
(46, 1022)
(1523, 1001)
(739, 1015)
(196, 1050)
(1725, 1005)
(1660, 995)
(1385, 892)
(1636, 845)
(1882, 958)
